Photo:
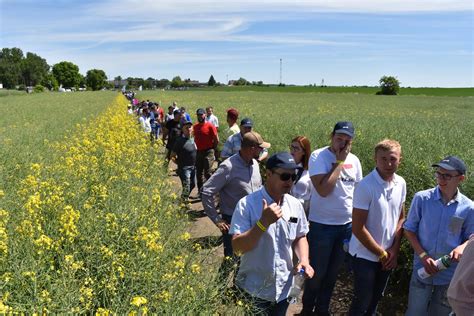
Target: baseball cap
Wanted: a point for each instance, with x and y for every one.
(246, 122)
(452, 163)
(254, 139)
(177, 111)
(281, 160)
(187, 123)
(200, 111)
(344, 128)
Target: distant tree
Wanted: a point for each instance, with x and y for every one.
(130, 83)
(50, 82)
(38, 88)
(212, 81)
(163, 83)
(389, 85)
(139, 82)
(33, 69)
(149, 83)
(96, 79)
(10, 67)
(82, 81)
(67, 74)
(176, 82)
(241, 82)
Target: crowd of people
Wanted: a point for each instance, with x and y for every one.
(317, 205)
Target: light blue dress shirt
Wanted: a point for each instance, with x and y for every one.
(266, 271)
(439, 227)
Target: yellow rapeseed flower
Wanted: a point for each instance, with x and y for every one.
(138, 301)
(103, 312)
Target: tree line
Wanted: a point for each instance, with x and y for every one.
(18, 71)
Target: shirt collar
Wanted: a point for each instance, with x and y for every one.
(438, 196)
(380, 180)
(243, 161)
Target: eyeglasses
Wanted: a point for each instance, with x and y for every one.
(295, 148)
(445, 176)
(286, 176)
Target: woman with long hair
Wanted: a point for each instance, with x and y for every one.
(300, 149)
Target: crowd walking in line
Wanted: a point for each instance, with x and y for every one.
(314, 209)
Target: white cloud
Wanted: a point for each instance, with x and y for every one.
(166, 9)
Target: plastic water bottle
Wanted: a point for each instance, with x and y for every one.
(345, 245)
(442, 263)
(296, 287)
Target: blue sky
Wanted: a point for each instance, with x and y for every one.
(344, 42)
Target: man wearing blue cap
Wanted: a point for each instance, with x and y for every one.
(233, 143)
(439, 223)
(334, 173)
(266, 226)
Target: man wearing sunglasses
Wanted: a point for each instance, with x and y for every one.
(266, 226)
(439, 223)
(235, 178)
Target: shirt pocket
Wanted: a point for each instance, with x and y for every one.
(455, 225)
(292, 229)
(454, 231)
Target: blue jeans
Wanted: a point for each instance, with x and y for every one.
(187, 175)
(427, 299)
(326, 254)
(369, 284)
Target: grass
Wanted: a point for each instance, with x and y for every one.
(29, 123)
(465, 92)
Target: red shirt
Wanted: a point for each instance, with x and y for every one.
(204, 135)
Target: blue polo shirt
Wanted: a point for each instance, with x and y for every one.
(439, 227)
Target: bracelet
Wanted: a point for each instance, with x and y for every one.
(383, 255)
(339, 162)
(422, 255)
(260, 225)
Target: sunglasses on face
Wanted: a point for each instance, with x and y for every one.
(286, 176)
(445, 176)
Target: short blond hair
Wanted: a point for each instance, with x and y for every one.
(388, 145)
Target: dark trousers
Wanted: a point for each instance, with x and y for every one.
(369, 284)
(326, 255)
(227, 238)
(264, 307)
(204, 162)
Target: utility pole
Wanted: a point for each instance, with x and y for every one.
(281, 72)
(227, 79)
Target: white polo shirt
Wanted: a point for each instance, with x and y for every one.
(265, 271)
(383, 200)
(336, 208)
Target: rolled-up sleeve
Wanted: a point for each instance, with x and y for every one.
(227, 150)
(212, 186)
(414, 215)
(241, 219)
